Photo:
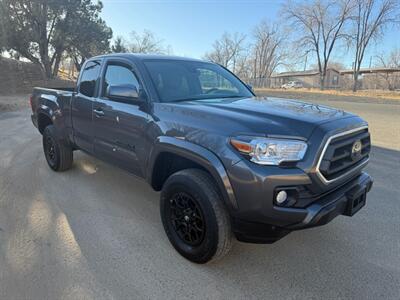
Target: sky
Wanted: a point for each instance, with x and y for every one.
(190, 27)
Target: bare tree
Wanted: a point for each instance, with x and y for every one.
(228, 51)
(267, 52)
(147, 42)
(320, 25)
(389, 61)
(119, 45)
(370, 18)
(394, 59)
(243, 67)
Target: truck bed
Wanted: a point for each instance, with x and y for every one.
(48, 100)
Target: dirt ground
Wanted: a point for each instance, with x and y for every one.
(14, 102)
(315, 95)
(95, 232)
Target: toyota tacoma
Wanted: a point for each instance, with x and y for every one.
(228, 164)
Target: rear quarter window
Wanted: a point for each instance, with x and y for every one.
(90, 74)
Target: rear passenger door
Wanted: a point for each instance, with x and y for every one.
(120, 126)
(82, 105)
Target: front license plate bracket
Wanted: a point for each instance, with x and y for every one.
(355, 201)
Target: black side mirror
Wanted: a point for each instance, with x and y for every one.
(123, 92)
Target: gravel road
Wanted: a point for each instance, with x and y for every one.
(95, 233)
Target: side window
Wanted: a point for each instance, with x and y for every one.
(118, 75)
(89, 77)
(335, 80)
(210, 80)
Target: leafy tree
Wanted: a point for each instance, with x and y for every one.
(2, 38)
(90, 35)
(45, 30)
(119, 45)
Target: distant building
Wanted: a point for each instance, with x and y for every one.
(370, 78)
(373, 78)
(309, 78)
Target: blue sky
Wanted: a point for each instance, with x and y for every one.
(190, 27)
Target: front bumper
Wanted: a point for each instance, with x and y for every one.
(341, 201)
(335, 203)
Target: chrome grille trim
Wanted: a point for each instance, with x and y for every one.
(320, 175)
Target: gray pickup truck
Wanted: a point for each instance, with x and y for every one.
(228, 164)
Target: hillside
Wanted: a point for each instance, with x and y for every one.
(17, 77)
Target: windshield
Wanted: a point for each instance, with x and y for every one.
(179, 80)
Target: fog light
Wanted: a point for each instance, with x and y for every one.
(281, 197)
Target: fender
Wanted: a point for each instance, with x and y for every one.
(52, 110)
(198, 154)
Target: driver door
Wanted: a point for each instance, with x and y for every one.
(120, 126)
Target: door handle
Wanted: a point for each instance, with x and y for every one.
(98, 112)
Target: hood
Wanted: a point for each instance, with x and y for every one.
(263, 116)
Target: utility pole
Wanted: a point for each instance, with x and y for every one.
(305, 60)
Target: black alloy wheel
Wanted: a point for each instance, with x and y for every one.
(194, 217)
(58, 152)
(50, 150)
(187, 218)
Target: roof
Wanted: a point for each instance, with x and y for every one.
(372, 70)
(342, 72)
(142, 56)
(301, 73)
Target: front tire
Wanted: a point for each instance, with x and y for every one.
(59, 154)
(194, 217)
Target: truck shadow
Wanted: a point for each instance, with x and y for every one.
(350, 257)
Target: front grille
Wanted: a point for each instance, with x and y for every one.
(338, 158)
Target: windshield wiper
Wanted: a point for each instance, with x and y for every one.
(206, 98)
(188, 99)
(232, 96)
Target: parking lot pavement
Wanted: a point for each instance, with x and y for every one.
(95, 232)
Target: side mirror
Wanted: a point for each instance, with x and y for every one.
(123, 92)
(250, 87)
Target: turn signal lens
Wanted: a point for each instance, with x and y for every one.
(241, 146)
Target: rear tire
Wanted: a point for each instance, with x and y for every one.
(194, 217)
(58, 153)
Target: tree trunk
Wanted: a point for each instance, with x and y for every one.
(47, 68)
(78, 63)
(355, 79)
(43, 40)
(322, 82)
(57, 64)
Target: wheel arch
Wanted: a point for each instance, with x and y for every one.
(43, 120)
(191, 155)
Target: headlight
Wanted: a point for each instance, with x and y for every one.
(269, 151)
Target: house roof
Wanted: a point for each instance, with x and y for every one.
(301, 73)
(371, 70)
(342, 72)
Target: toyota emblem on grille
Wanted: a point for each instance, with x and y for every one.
(356, 150)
